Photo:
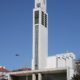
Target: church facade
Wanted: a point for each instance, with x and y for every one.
(44, 67)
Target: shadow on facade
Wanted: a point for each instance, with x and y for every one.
(50, 76)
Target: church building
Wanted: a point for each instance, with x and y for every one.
(44, 67)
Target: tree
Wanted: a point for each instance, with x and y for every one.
(77, 71)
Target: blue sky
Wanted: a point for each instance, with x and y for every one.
(16, 30)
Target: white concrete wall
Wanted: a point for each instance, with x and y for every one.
(65, 60)
(51, 62)
(42, 42)
(61, 60)
(43, 46)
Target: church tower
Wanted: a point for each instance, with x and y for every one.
(40, 35)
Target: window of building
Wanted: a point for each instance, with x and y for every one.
(36, 17)
(45, 20)
(42, 21)
(36, 46)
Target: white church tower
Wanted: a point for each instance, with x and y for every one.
(40, 35)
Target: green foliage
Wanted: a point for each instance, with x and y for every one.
(76, 77)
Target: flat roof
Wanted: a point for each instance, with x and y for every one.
(44, 71)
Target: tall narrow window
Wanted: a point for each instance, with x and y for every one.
(45, 20)
(36, 17)
(36, 46)
(42, 21)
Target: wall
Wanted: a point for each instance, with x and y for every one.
(51, 62)
(61, 60)
(65, 60)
